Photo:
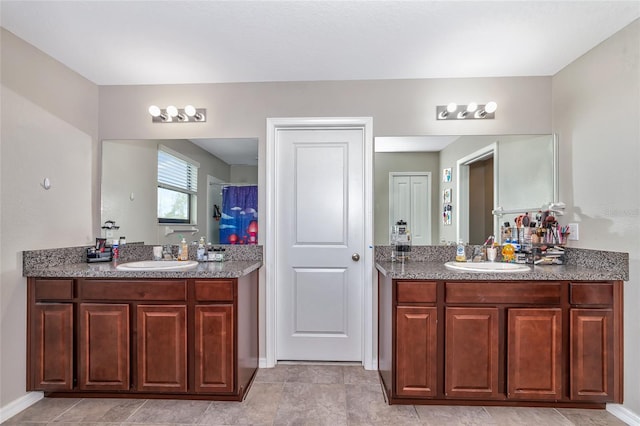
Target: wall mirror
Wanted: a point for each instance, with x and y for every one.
(220, 208)
(446, 187)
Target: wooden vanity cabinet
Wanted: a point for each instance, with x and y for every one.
(156, 334)
(144, 337)
(534, 354)
(471, 353)
(161, 345)
(103, 339)
(214, 336)
(417, 338)
(547, 343)
(595, 350)
(50, 329)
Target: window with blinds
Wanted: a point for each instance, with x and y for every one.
(177, 187)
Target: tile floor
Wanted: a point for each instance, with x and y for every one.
(297, 394)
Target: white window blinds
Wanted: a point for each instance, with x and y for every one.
(176, 173)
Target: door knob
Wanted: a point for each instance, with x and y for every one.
(355, 257)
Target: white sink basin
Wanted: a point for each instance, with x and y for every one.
(486, 267)
(158, 265)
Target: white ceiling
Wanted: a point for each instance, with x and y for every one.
(173, 42)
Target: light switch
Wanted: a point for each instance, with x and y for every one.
(573, 232)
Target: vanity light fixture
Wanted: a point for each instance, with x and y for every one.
(443, 112)
(471, 111)
(172, 114)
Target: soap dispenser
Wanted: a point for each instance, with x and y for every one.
(184, 250)
(201, 253)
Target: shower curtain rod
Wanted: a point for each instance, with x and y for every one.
(232, 184)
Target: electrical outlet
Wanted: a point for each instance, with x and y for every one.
(109, 233)
(574, 232)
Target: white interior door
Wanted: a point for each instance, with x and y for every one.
(319, 237)
(410, 194)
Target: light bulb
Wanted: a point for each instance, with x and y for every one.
(491, 107)
(154, 111)
(172, 111)
(472, 107)
(452, 107)
(190, 110)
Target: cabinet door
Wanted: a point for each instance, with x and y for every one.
(416, 351)
(161, 348)
(51, 346)
(471, 353)
(104, 347)
(534, 356)
(591, 355)
(214, 351)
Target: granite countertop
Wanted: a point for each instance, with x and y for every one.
(426, 270)
(228, 269)
(71, 262)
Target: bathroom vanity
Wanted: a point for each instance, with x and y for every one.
(96, 331)
(548, 337)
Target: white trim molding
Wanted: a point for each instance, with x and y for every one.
(624, 414)
(18, 405)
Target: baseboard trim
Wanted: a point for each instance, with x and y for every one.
(16, 406)
(262, 363)
(624, 414)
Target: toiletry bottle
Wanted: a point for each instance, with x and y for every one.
(184, 250)
(114, 250)
(508, 252)
(201, 250)
(460, 253)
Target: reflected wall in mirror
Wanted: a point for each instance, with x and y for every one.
(129, 189)
(511, 171)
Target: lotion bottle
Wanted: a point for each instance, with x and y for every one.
(201, 253)
(460, 253)
(184, 250)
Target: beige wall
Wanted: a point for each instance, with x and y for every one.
(596, 112)
(243, 174)
(49, 118)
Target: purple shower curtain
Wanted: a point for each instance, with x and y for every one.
(239, 221)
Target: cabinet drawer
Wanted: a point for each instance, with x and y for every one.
(214, 290)
(175, 290)
(416, 292)
(54, 289)
(591, 293)
(504, 292)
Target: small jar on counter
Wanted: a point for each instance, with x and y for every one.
(215, 255)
